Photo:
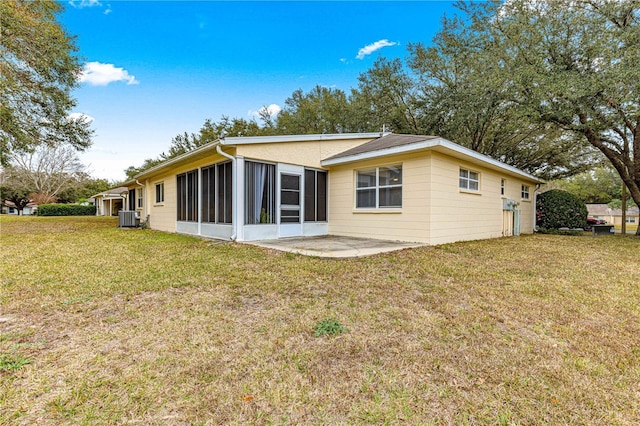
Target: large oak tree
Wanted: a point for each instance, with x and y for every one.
(38, 70)
(573, 65)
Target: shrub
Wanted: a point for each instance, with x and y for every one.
(560, 209)
(65, 210)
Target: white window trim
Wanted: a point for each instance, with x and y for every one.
(468, 179)
(528, 192)
(377, 188)
(140, 198)
(161, 201)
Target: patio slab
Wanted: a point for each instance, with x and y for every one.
(334, 246)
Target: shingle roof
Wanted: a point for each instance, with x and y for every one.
(115, 191)
(392, 144)
(384, 142)
(605, 210)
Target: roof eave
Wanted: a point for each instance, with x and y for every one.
(248, 140)
(172, 161)
(431, 144)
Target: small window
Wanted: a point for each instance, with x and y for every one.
(631, 219)
(503, 184)
(140, 192)
(469, 180)
(525, 192)
(379, 187)
(159, 192)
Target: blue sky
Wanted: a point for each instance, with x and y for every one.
(154, 69)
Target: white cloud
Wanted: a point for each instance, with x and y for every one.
(79, 116)
(98, 74)
(272, 109)
(370, 48)
(81, 4)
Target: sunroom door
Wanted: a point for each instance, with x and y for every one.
(290, 211)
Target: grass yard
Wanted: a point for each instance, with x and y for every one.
(100, 325)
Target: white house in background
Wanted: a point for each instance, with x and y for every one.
(10, 208)
(388, 186)
(109, 203)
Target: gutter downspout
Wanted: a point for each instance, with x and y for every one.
(234, 196)
(144, 199)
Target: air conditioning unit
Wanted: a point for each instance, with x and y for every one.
(128, 219)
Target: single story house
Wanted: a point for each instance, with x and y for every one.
(9, 207)
(378, 185)
(109, 203)
(614, 216)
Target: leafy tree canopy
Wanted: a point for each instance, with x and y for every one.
(574, 66)
(38, 70)
(209, 132)
(600, 185)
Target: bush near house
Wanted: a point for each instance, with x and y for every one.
(66, 210)
(560, 209)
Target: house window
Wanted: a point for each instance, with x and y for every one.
(159, 192)
(187, 189)
(525, 192)
(503, 184)
(260, 193)
(315, 195)
(379, 187)
(630, 219)
(469, 181)
(217, 204)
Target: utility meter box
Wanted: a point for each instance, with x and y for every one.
(508, 204)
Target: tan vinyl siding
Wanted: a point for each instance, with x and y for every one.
(409, 223)
(434, 209)
(307, 153)
(459, 215)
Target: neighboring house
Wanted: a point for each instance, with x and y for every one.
(386, 186)
(9, 207)
(109, 203)
(614, 216)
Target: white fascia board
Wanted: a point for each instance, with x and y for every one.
(167, 163)
(247, 140)
(445, 144)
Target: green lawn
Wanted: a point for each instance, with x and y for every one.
(100, 325)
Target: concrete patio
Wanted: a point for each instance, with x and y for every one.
(333, 246)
